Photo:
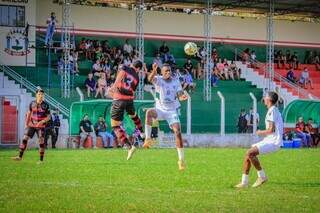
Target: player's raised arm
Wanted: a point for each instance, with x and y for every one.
(153, 73)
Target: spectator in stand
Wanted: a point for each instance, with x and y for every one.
(242, 122)
(300, 133)
(90, 84)
(82, 46)
(102, 86)
(215, 55)
(220, 67)
(215, 77)
(51, 21)
(290, 76)
(281, 59)
(157, 60)
(245, 56)
(235, 71)
(188, 67)
(101, 130)
(169, 59)
(86, 130)
(97, 68)
(127, 60)
(107, 69)
(164, 49)
(295, 61)
(75, 56)
(127, 48)
(313, 132)
(305, 79)
(250, 120)
(188, 84)
(98, 53)
(253, 59)
(288, 59)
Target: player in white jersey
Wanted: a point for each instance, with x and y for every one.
(271, 142)
(170, 93)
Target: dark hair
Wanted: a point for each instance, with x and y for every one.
(137, 64)
(39, 89)
(273, 96)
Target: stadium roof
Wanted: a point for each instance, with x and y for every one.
(309, 8)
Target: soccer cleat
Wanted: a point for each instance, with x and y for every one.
(241, 185)
(182, 165)
(130, 152)
(148, 142)
(259, 182)
(17, 158)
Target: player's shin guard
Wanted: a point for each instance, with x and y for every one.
(23, 147)
(121, 135)
(180, 154)
(41, 150)
(137, 122)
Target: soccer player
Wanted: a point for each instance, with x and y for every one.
(36, 119)
(122, 93)
(271, 142)
(169, 90)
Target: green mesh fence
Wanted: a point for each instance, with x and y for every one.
(305, 108)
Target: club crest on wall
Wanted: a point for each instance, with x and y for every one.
(16, 43)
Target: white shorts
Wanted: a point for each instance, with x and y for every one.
(171, 116)
(266, 146)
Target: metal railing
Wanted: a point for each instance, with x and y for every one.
(31, 87)
(302, 93)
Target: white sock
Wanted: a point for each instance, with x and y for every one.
(245, 179)
(180, 154)
(261, 174)
(147, 129)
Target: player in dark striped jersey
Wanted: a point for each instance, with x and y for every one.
(36, 119)
(122, 93)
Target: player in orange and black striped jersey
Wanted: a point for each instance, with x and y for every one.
(122, 93)
(36, 120)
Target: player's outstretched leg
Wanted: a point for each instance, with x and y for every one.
(121, 135)
(150, 115)
(179, 144)
(137, 122)
(22, 148)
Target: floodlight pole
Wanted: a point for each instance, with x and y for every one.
(208, 51)
(140, 45)
(66, 46)
(270, 47)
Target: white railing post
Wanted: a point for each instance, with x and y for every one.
(254, 107)
(188, 115)
(222, 121)
(80, 93)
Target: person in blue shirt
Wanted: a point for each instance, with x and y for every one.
(51, 21)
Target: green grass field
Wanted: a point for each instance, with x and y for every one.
(103, 181)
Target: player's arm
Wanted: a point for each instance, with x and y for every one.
(151, 76)
(28, 119)
(268, 131)
(119, 78)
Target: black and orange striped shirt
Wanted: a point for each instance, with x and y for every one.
(38, 112)
(126, 88)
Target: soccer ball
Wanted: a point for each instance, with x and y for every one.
(190, 48)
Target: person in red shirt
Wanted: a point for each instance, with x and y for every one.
(312, 131)
(301, 133)
(36, 120)
(122, 93)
